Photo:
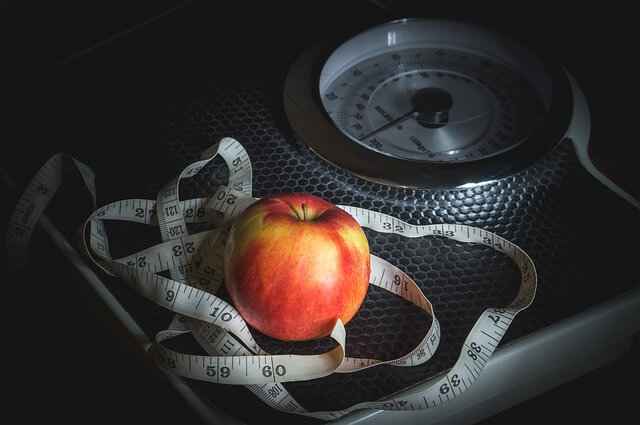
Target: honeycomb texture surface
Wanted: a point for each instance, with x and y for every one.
(538, 208)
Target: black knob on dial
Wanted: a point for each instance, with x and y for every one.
(431, 106)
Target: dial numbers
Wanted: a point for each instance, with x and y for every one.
(393, 104)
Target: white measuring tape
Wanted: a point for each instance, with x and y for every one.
(195, 264)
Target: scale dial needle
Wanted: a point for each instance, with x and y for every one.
(429, 106)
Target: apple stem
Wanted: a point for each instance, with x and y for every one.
(304, 212)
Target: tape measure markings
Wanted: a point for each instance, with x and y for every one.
(452, 380)
(185, 252)
(257, 368)
(229, 317)
(35, 198)
(204, 312)
(168, 203)
(172, 299)
(197, 210)
(395, 226)
(362, 363)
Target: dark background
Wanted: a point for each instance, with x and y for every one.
(75, 74)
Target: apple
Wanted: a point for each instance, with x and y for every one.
(294, 264)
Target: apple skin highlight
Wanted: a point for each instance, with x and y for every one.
(294, 264)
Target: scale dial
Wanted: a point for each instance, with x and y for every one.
(432, 104)
(425, 103)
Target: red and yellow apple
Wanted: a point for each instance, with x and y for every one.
(294, 264)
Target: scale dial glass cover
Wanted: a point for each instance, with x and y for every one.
(409, 97)
(402, 92)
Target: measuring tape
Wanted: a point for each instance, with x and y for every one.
(195, 265)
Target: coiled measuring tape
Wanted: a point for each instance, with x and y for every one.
(195, 264)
